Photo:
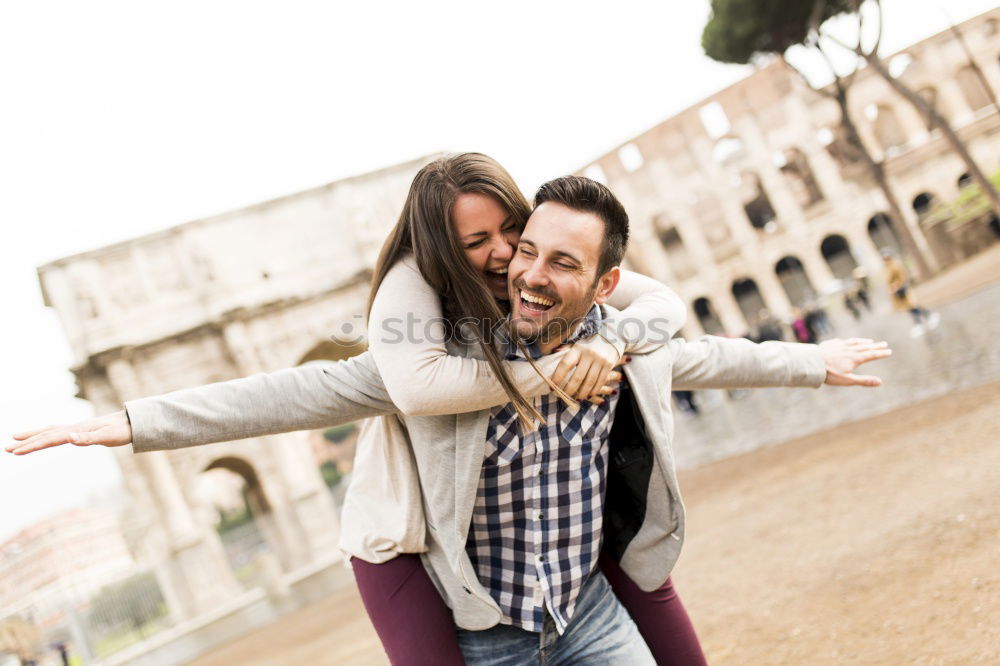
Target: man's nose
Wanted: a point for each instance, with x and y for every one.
(536, 275)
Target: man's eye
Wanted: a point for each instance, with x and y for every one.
(525, 251)
(564, 266)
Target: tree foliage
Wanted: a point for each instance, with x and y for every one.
(738, 30)
(132, 602)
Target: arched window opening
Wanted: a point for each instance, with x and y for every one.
(930, 96)
(756, 203)
(792, 276)
(922, 204)
(883, 234)
(677, 256)
(972, 88)
(709, 321)
(837, 253)
(800, 178)
(888, 130)
(748, 298)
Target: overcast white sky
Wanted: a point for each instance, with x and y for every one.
(121, 118)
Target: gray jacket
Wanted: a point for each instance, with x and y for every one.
(644, 515)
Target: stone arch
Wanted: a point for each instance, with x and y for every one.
(972, 88)
(756, 203)
(930, 95)
(792, 276)
(964, 180)
(923, 203)
(333, 449)
(728, 149)
(748, 298)
(837, 253)
(800, 178)
(246, 523)
(335, 349)
(673, 245)
(888, 130)
(838, 146)
(710, 322)
(883, 233)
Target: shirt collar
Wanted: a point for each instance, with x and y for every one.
(586, 328)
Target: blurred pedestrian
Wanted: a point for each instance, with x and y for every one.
(860, 291)
(802, 331)
(685, 401)
(768, 327)
(898, 279)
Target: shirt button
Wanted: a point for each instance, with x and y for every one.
(541, 516)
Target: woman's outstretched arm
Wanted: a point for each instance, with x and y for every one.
(314, 395)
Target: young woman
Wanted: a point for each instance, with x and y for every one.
(443, 267)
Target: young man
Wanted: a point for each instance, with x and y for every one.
(514, 531)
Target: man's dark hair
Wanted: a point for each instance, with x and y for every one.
(589, 196)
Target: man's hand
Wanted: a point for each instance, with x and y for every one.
(110, 430)
(843, 356)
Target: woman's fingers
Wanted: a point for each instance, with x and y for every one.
(596, 376)
(54, 437)
(25, 434)
(110, 430)
(566, 366)
(575, 381)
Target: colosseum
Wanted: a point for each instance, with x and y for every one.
(751, 199)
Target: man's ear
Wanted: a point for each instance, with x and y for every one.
(606, 284)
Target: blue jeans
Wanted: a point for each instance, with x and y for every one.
(599, 633)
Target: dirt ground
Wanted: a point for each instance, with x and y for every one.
(875, 543)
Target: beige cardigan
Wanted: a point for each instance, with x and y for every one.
(383, 512)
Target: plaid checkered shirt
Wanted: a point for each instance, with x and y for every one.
(537, 523)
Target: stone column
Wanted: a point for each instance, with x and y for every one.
(197, 573)
(303, 510)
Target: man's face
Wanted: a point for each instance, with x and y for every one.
(553, 275)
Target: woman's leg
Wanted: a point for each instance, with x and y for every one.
(411, 619)
(660, 616)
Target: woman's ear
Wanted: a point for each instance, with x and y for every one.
(606, 284)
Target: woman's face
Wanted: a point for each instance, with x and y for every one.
(488, 236)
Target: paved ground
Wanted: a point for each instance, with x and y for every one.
(870, 543)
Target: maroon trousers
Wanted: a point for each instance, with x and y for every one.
(416, 627)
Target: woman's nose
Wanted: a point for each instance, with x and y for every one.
(502, 250)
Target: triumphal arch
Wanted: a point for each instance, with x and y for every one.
(253, 290)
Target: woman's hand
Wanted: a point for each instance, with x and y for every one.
(110, 430)
(842, 357)
(589, 367)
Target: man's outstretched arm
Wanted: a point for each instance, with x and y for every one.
(727, 363)
(315, 395)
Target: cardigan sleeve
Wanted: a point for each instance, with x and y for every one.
(406, 335)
